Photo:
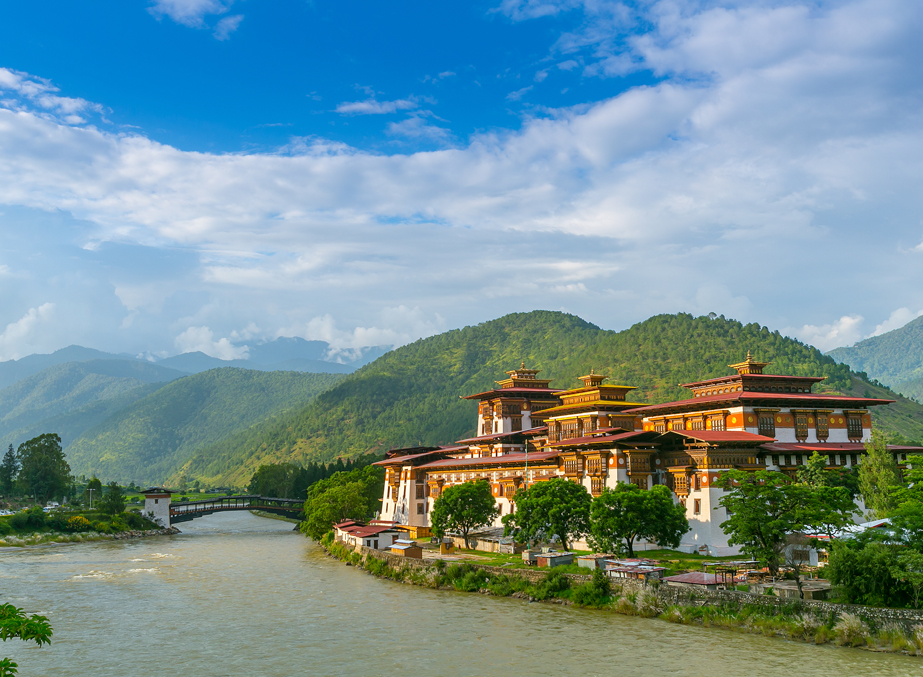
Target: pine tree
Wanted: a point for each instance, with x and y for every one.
(9, 468)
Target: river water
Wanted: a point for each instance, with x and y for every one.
(242, 595)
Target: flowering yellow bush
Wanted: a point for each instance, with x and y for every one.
(78, 523)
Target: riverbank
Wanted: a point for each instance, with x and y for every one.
(43, 538)
(884, 630)
(273, 516)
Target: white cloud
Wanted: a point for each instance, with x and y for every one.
(397, 326)
(752, 165)
(202, 339)
(541, 75)
(41, 94)
(373, 107)
(190, 13)
(518, 94)
(19, 338)
(844, 332)
(919, 247)
(416, 127)
(898, 319)
(226, 26)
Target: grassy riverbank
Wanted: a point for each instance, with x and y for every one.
(793, 621)
(43, 538)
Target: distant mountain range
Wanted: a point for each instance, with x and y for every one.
(894, 358)
(75, 389)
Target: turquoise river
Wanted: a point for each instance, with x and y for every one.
(241, 595)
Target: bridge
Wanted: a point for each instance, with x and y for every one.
(158, 505)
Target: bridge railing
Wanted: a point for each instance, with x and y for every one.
(234, 502)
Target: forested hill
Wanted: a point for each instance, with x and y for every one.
(149, 439)
(894, 358)
(412, 395)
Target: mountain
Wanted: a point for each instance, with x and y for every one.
(69, 398)
(194, 363)
(156, 434)
(894, 358)
(16, 370)
(411, 395)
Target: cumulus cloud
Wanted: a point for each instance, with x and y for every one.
(843, 332)
(371, 106)
(19, 338)
(202, 339)
(898, 319)
(417, 128)
(732, 185)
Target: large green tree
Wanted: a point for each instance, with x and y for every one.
(9, 468)
(557, 507)
(113, 502)
(622, 515)
(463, 508)
(765, 507)
(44, 472)
(344, 495)
(93, 491)
(879, 479)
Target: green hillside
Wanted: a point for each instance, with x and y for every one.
(411, 395)
(64, 389)
(147, 440)
(895, 358)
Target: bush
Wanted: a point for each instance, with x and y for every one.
(851, 630)
(78, 523)
(36, 517)
(19, 521)
(554, 584)
(595, 592)
(5, 527)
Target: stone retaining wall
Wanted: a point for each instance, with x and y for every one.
(682, 596)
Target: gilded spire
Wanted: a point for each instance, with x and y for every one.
(749, 366)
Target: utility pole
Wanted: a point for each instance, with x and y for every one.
(90, 491)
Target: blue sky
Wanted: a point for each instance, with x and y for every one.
(205, 174)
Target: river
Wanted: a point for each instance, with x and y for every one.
(238, 595)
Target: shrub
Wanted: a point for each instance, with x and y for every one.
(647, 605)
(472, 581)
(807, 625)
(5, 527)
(594, 592)
(851, 630)
(553, 585)
(101, 527)
(19, 521)
(78, 523)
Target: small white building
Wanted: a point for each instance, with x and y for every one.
(157, 505)
(378, 536)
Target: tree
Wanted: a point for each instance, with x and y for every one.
(15, 624)
(9, 468)
(344, 495)
(628, 512)
(44, 472)
(463, 508)
(94, 490)
(878, 476)
(113, 503)
(557, 507)
(909, 568)
(814, 471)
(765, 507)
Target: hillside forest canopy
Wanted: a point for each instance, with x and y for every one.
(411, 396)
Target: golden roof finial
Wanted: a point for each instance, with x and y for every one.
(522, 365)
(749, 366)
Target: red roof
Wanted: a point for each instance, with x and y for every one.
(369, 530)
(602, 438)
(737, 377)
(849, 447)
(722, 436)
(496, 436)
(696, 578)
(492, 460)
(751, 396)
(505, 391)
(401, 460)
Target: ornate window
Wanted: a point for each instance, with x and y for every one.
(823, 427)
(767, 425)
(717, 423)
(854, 427)
(660, 427)
(801, 427)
